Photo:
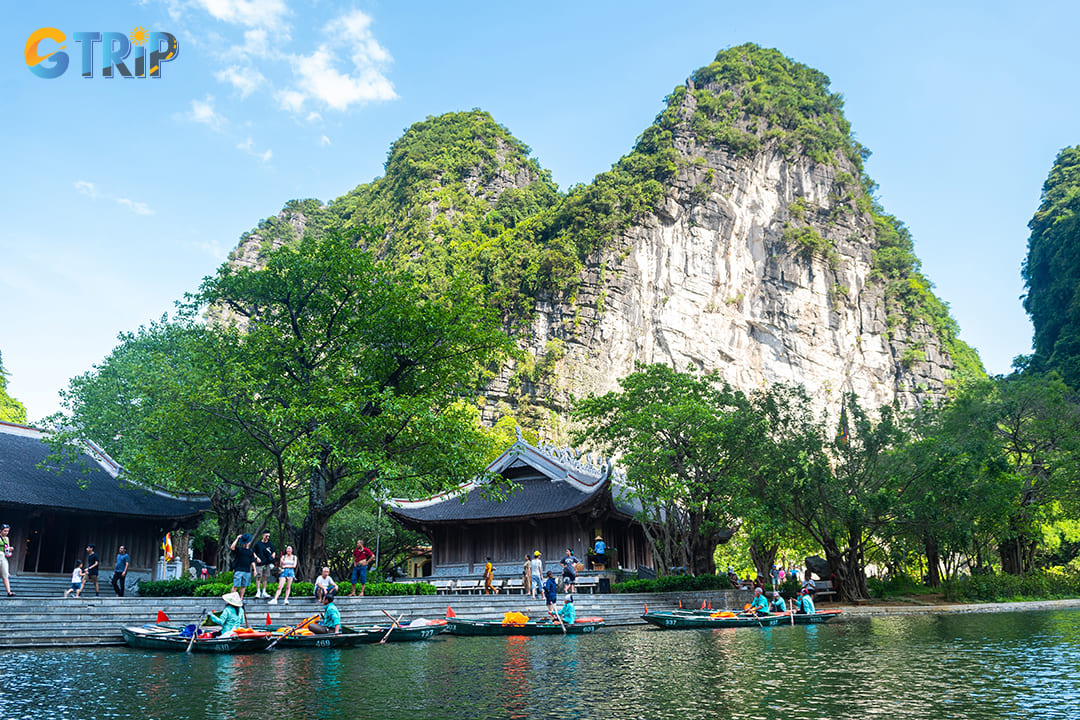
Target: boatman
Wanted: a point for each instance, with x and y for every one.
(805, 604)
(232, 616)
(777, 605)
(759, 605)
(331, 619)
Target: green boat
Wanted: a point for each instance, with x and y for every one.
(154, 637)
(346, 638)
(402, 633)
(462, 626)
(821, 616)
(682, 620)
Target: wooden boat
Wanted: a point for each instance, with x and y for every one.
(156, 637)
(346, 638)
(683, 619)
(821, 616)
(463, 626)
(402, 633)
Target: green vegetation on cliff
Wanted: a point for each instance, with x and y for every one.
(11, 410)
(461, 194)
(1052, 270)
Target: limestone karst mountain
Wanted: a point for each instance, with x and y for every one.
(739, 235)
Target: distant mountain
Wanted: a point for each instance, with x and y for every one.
(739, 235)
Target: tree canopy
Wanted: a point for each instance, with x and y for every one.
(11, 410)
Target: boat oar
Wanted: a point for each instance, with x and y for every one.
(195, 631)
(291, 630)
(393, 624)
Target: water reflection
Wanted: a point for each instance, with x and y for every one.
(1017, 665)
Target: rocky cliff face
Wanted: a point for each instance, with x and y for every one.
(753, 249)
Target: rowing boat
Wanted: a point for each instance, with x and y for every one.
(155, 637)
(402, 633)
(346, 638)
(681, 620)
(462, 626)
(821, 616)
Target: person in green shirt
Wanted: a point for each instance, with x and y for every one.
(232, 616)
(331, 619)
(777, 605)
(805, 604)
(759, 605)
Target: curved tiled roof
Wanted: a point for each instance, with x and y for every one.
(91, 484)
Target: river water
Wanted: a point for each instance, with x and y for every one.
(1007, 665)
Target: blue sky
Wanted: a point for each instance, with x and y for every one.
(120, 194)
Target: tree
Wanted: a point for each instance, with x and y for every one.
(321, 378)
(11, 410)
(686, 441)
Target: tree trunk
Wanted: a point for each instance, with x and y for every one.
(763, 556)
(933, 561)
(232, 512)
(311, 547)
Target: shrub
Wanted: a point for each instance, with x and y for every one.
(177, 587)
(1000, 587)
(673, 583)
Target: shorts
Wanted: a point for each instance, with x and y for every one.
(288, 573)
(359, 571)
(76, 586)
(92, 573)
(263, 571)
(241, 579)
(3, 566)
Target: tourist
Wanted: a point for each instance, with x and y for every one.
(774, 575)
(777, 605)
(782, 574)
(526, 577)
(243, 564)
(537, 567)
(76, 580)
(232, 616)
(361, 558)
(809, 585)
(804, 605)
(331, 619)
(119, 576)
(489, 575)
(93, 564)
(288, 574)
(600, 550)
(569, 571)
(324, 584)
(264, 563)
(551, 592)
(759, 605)
(7, 552)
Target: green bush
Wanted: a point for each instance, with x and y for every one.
(673, 583)
(899, 584)
(1002, 587)
(178, 587)
(302, 589)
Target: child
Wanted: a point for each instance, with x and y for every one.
(551, 593)
(76, 580)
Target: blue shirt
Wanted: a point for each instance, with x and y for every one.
(551, 590)
(122, 562)
(778, 605)
(599, 548)
(568, 613)
(331, 616)
(229, 619)
(760, 604)
(805, 604)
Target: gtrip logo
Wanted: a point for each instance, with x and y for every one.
(114, 51)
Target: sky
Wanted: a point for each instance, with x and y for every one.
(120, 194)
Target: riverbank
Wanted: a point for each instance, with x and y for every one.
(887, 608)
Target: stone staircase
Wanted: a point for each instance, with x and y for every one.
(56, 622)
(43, 586)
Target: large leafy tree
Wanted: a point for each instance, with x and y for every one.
(686, 442)
(1051, 270)
(323, 377)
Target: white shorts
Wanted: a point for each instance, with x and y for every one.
(3, 566)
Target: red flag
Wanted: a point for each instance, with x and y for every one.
(162, 617)
(710, 604)
(267, 618)
(680, 603)
(702, 604)
(450, 612)
(646, 607)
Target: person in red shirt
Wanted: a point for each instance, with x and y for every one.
(361, 558)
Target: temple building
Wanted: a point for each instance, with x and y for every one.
(557, 500)
(56, 509)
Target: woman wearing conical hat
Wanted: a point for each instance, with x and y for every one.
(232, 616)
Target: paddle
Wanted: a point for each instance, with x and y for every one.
(752, 613)
(393, 624)
(195, 631)
(291, 630)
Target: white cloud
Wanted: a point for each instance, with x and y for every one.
(89, 189)
(245, 80)
(250, 13)
(136, 207)
(319, 79)
(290, 100)
(324, 141)
(248, 146)
(202, 111)
(86, 188)
(313, 117)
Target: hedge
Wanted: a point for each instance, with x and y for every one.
(1001, 587)
(674, 583)
(299, 589)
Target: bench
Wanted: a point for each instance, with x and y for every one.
(825, 591)
(442, 587)
(589, 584)
(513, 586)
